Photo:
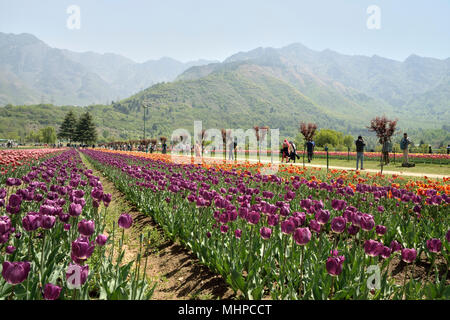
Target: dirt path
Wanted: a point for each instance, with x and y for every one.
(177, 271)
(385, 172)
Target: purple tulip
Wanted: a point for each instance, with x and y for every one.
(273, 220)
(51, 292)
(47, 222)
(67, 227)
(386, 252)
(338, 224)
(10, 249)
(447, 236)
(302, 236)
(367, 222)
(314, 226)
(265, 233)
(352, 230)
(15, 272)
(253, 217)
(47, 210)
(409, 255)
(306, 203)
(101, 240)
(106, 199)
(396, 246)
(125, 221)
(287, 226)
(334, 265)
(75, 209)
(373, 248)
(238, 233)
(322, 216)
(31, 222)
(5, 224)
(224, 228)
(380, 230)
(86, 227)
(82, 249)
(15, 200)
(64, 217)
(338, 205)
(434, 245)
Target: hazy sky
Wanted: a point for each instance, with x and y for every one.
(209, 29)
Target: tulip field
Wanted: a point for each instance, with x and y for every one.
(52, 232)
(302, 233)
(299, 234)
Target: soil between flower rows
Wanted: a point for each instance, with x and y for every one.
(175, 270)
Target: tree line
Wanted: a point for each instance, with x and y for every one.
(78, 130)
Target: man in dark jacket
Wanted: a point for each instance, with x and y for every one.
(310, 149)
(360, 152)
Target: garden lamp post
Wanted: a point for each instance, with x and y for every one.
(145, 106)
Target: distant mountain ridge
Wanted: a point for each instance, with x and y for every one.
(277, 87)
(33, 72)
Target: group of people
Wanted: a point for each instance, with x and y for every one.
(289, 150)
(386, 148)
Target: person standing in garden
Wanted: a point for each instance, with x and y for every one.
(360, 152)
(310, 149)
(387, 147)
(231, 148)
(404, 145)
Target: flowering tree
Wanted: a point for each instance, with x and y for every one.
(384, 129)
(308, 130)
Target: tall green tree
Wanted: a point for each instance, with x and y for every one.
(86, 131)
(327, 137)
(67, 130)
(48, 134)
(348, 141)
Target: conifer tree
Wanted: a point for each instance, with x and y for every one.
(67, 129)
(86, 131)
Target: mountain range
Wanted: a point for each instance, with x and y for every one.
(277, 87)
(32, 72)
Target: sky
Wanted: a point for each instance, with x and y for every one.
(198, 29)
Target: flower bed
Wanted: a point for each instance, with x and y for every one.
(52, 239)
(293, 236)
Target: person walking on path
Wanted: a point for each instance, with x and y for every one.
(360, 152)
(310, 149)
(404, 145)
(292, 152)
(285, 151)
